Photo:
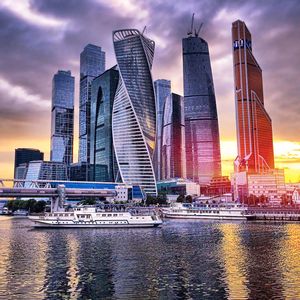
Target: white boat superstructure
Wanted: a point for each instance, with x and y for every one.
(93, 217)
(220, 211)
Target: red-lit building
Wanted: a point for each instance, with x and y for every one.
(254, 126)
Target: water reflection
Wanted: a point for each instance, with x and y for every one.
(290, 254)
(233, 255)
(182, 260)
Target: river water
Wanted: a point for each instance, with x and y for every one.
(182, 260)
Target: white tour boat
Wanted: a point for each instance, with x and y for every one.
(220, 211)
(93, 217)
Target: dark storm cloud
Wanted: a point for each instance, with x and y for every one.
(31, 53)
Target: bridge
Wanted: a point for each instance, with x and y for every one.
(57, 191)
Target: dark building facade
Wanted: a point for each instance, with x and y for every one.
(92, 64)
(162, 88)
(103, 164)
(203, 158)
(62, 117)
(173, 164)
(25, 155)
(254, 126)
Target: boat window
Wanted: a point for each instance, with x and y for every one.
(115, 215)
(109, 215)
(103, 215)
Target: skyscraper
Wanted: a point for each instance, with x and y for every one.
(92, 64)
(162, 89)
(173, 164)
(62, 120)
(134, 114)
(254, 126)
(203, 158)
(103, 162)
(25, 155)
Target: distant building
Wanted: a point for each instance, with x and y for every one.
(270, 184)
(254, 125)
(173, 164)
(162, 89)
(20, 171)
(62, 121)
(25, 155)
(92, 64)
(79, 171)
(104, 166)
(178, 186)
(46, 170)
(134, 112)
(203, 158)
(219, 185)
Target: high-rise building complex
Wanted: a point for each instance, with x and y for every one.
(162, 89)
(254, 126)
(103, 162)
(62, 119)
(203, 158)
(25, 155)
(173, 162)
(134, 113)
(92, 64)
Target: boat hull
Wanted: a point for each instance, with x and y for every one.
(206, 217)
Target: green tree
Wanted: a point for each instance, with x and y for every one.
(188, 199)
(180, 198)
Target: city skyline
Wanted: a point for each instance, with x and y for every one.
(16, 87)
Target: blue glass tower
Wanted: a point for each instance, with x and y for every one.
(92, 64)
(134, 113)
(103, 162)
(203, 158)
(162, 89)
(62, 119)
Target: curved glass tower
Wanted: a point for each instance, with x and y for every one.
(134, 117)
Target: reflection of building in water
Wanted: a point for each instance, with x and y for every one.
(290, 256)
(264, 276)
(233, 254)
(24, 261)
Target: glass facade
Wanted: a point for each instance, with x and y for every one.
(254, 126)
(162, 89)
(62, 117)
(203, 158)
(25, 155)
(173, 139)
(103, 162)
(92, 64)
(134, 113)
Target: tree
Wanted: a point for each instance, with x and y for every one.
(188, 199)
(88, 201)
(180, 198)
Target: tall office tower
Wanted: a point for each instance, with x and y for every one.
(162, 88)
(25, 155)
(92, 64)
(62, 120)
(173, 164)
(103, 161)
(254, 126)
(203, 158)
(134, 114)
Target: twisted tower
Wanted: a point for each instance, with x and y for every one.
(134, 117)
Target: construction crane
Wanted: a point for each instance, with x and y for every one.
(190, 33)
(193, 30)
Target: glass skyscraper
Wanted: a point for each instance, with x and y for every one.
(162, 89)
(254, 126)
(173, 164)
(92, 64)
(134, 113)
(62, 119)
(203, 158)
(103, 162)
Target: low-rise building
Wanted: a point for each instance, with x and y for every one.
(179, 186)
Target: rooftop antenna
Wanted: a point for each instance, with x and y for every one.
(197, 31)
(144, 30)
(190, 33)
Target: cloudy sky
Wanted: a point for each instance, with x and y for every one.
(39, 37)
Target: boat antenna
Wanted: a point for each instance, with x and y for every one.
(190, 32)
